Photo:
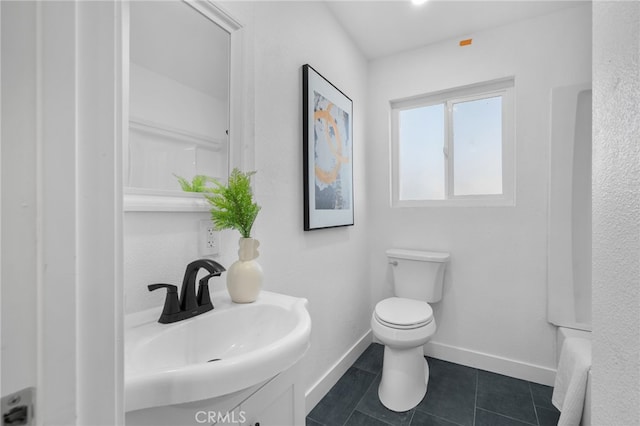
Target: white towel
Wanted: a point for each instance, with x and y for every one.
(571, 380)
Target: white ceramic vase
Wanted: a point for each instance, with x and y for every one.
(244, 276)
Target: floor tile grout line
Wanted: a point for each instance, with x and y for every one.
(375, 418)
(412, 416)
(366, 371)
(438, 417)
(541, 407)
(368, 415)
(363, 369)
(317, 421)
(372, 415)
(508, 417)
(356, 404)
(533, 401)
(361, 397)
(475, 401)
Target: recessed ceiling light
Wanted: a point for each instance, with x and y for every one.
(418, 2)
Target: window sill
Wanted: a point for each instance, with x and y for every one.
(456, 202)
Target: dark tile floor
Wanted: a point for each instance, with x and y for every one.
(456, 395)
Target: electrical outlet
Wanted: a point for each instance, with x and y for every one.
(209, 239)
(18, 408)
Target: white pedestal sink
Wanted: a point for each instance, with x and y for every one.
(226, 350)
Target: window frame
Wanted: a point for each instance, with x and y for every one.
(504, 87)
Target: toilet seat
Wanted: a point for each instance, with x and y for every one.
(403, 314)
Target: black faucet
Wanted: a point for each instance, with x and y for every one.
(190, 303)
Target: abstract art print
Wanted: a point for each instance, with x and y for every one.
(328, 153)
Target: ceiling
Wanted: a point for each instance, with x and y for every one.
(382, 28)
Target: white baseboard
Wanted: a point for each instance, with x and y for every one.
(493, 363)
(483, 361)
(320, 388)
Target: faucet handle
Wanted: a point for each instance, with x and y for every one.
(170, 287)
(171, 303)
(203, 290)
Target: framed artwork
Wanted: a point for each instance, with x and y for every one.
(327, 116)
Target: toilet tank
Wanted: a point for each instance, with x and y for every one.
(418, 274)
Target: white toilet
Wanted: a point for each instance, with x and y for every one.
(405, 323)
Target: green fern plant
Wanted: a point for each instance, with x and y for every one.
(232, 205)
(197, 184)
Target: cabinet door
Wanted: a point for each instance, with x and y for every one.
(279, 403)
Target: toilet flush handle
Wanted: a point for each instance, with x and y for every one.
(393, 262)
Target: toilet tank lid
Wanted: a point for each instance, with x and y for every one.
(425, 256)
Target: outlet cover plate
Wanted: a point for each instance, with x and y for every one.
(18, 407)
(209, 239)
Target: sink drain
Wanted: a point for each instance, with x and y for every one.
(215, 359)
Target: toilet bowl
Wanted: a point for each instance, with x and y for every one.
(404, 323)
(403, 326)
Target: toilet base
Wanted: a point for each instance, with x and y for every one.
(405, 375)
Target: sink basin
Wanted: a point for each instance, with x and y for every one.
(228, 349)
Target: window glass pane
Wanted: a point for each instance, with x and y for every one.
(477, 146)
(421, 161)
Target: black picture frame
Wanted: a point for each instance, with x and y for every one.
(327, 123)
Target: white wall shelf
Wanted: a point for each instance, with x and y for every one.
(177, 135)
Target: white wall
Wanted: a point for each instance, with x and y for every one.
(329, 267)
(616, 213)
(493, 311)
(157, 248)
(19, 209)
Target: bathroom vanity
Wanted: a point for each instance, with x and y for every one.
(237, 364)
(277, 402)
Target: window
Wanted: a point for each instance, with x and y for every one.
(454, 147)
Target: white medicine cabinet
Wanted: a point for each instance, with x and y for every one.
(181, 60)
